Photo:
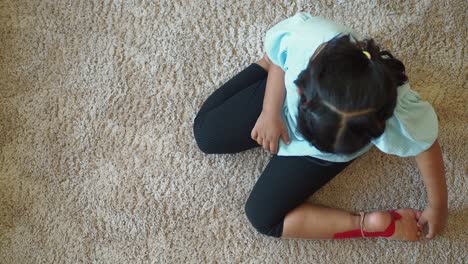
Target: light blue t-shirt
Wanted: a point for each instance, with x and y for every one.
(290, 44)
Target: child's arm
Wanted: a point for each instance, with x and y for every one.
(431, 167)
(275, 90)
(270, 126)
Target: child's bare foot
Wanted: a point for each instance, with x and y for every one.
(405, 227)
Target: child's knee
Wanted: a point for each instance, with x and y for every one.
(201, 137)
(262, 223)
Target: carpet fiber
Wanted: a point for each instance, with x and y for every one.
(97, 158)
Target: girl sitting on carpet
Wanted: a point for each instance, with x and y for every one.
(318, 99)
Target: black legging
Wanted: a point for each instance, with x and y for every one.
(223, 125)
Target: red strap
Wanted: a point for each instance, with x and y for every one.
(357, 232)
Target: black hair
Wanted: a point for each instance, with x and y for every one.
(347, 97)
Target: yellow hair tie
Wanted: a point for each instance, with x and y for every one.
(367, 54)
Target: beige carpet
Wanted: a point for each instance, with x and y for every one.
(98, 163)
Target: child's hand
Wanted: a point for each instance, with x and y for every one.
(435, 218)
(267, 131)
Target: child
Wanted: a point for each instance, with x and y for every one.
(318, 99)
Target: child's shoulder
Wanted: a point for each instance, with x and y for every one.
(316, 22)
(406, 96)
(403, 90)
(308, 30)
(413, 127)
(317, 29)
(305, 16)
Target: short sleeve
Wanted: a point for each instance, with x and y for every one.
(291, 42)
(279, 38)
(412, 129)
